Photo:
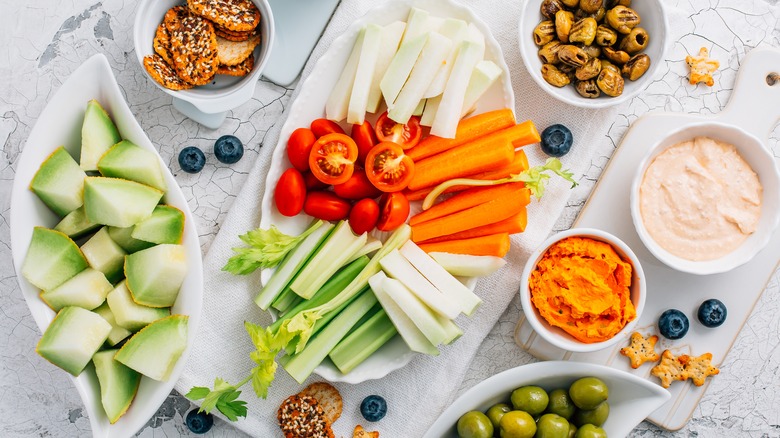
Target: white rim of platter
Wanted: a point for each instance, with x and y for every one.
(310, 105)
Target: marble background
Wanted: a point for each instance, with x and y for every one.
(42, 42)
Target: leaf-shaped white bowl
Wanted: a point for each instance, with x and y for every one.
(631, 398)
(60, 124)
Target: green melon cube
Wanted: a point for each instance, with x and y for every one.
(165, 225)
(128, 161)
(129, 314)
(118, 202)
(59, 182)
(105, 255)
(154, 350)
(118, 384)
(88, 289)
(124, 238)
(155, 275)
(52, 259)
(98, 134)
(72, 338)
(117, 333)
(75, 224)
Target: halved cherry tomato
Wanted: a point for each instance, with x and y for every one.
(364, 216)
(365, 138)
(357, 187)
(394, 209)
(290, 192)
(323, 127)
(406, 136)
(299, 147)
(312, 183)
(388, 168)
(332, 159)
(326, 206)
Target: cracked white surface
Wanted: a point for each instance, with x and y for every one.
(42, 42)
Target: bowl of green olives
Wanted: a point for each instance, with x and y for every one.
(554, 399)
(593, 53)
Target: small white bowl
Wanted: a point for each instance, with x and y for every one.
(653, 20)
(224, 92)
(557, 336)
(762, 162)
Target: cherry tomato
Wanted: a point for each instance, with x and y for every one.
(332, 159)
(388, 168)
(323, 127)
(312, 183)
(290, 192)
(299, 147)
(394, 209)
(365, 138)
(326, 206)
(364, 216)
(357, 187)
(406, 136)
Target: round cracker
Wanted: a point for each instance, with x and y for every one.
(163, 73)
(301, 416)
(235, 52)
(194, 49)
(236, 15)
(328, 397)
(242, 69)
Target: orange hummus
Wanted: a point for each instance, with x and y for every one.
(582, 286)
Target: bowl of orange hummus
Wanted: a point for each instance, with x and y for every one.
(583, 290)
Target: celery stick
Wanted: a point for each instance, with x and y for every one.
(291, 264)
(285, 301)
(363, 342)
(422, 316)
(373, 244)
(301, 365)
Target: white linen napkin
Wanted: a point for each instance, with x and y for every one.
(419, 392)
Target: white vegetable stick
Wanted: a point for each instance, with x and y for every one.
(391, 37)
(446, 122)
(400, 67)
(455, 30)
(484, 75)
(422, 316)
(416, 25)
(468, 265)
(396, 266)
(364, 74)
(429, 113)
(338, 101)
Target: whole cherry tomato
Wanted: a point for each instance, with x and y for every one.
(364, 216)
(365, 138)
(312, 183)
(290, 192)
(332, 158)
(393, 211)
(405, 135)
(326, 206)
(357, 187)
(299, 147)
(388, 168)
(322, 127)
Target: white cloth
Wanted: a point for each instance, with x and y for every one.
(419, 392)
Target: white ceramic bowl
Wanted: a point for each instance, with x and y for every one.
(631, 398)
(759, 158)
(653, 20)
(224, 92)
(555, 335)
(60, 124)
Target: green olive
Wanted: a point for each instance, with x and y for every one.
(588, 392)
(517, 424)
(561, 404)
(474, 424)
(531, 399)
(572, 430)
(496, 412)
(590, 431)
(596, 417)
(552, 426)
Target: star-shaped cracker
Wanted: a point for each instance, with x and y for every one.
(670, 369)
(699, 368)
(640, 350)
(361, 433)
(702, 67)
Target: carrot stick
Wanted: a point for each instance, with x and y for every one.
(511, 225)
(494, 245)
(468, 198)
(518, 164)
(493, 211)
(468, 129)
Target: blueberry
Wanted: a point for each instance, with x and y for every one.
(673, 324)
(228, 149)
(192, 159)
(712, 313)
(199, 422)
(556, 140)
(373, 408)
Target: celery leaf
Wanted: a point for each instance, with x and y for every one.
(266, 249)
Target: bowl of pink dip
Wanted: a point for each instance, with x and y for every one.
(706, 199)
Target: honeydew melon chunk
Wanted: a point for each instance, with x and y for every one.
(431, 58)
(52, 259)
(118, 202)
(455, 30)
(364, 74)
(429, 113)
(98, 134)
(400, 67)
(485, 74)
(105, 255)
(117, 333)
(466, 265)
(155, 275)
(446, 121)
(75, 224)
(118, 384)
(129, 161)
(422, 316)
(124, 238)
(154, 350)
(88, 290)
(165, 225)
(337, 105)
(72, 338)
(416, 25)
(391, 37)
(130, 315)
(59, 182)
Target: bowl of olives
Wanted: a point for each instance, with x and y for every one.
(593, 53)
(552, 399)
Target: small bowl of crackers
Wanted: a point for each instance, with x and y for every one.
(207, 54)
